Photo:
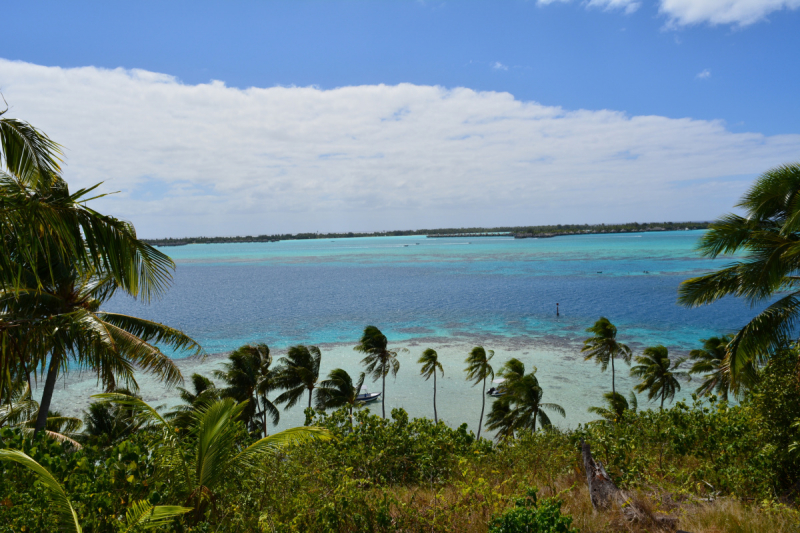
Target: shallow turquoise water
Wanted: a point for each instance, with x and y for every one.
(454, 293)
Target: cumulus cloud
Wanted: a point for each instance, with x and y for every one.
(704, 75)
(737, 12)
(499, 66)
(215, 160)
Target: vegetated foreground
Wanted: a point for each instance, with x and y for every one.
(710, 466)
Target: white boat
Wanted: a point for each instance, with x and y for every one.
(499, 390)
(365, 396)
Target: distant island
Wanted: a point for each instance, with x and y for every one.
(519, 232)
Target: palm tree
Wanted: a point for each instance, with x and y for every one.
(140, 515)
(340, 391)
(379, 361)
(604, 348)
(520, 407)
(203, 392)
(73, 329)
(430, 364)
(711, 361)
(20, 413)
(478, 370)
(616, 406)
(768, 238)
(657, 373)
(249, 377)
(197, 462)
(299, 372)
(45, 229)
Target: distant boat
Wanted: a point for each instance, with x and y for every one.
(405, 246)
(498, 391)
(366, 396)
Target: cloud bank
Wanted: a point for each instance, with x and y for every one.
(690, 12)
(213, 160)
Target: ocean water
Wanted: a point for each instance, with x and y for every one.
(450, 294)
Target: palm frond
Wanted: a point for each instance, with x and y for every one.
(143, 515)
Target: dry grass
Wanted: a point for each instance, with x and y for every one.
(456, 508)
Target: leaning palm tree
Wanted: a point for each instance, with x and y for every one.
(198, 462)
(526, 396)
(340, 391)
(712, 362)
(767, 239)
(604, 347)
(140, 515)
(658, 375)
(249, 377)
(44, 225)
(298, 373)
(73, 332)
(430, 364)
(478, 370)
(380, 360)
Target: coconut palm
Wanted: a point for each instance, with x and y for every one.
(77, 334)
(430, 364)
(140, 515)
(203, 391)
(340, 391)
(658, 375)
(604, 347)
(298, 373)
(249, 377)
(616, 405)
(712, 362)
(21, 410)
(521, 406)
(478, 370)
(199, 461)
(767, 239)
(380, 360)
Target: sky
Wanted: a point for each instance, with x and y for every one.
(245, 118)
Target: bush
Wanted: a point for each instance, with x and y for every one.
(531, 516)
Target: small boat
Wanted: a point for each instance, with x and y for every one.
(366, 396)
(498, 391)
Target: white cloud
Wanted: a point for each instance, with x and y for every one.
(499, 66)
(210, 159)
(704, 75)
(714, 12)
(627, 6)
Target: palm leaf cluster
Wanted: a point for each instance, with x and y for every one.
(379, 360)
(658, 374)
(766, 244)
(520, 407)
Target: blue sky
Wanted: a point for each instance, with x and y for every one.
(730, 66)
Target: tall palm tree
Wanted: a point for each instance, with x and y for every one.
(604, 347)
(712, 362)
(380, 360)
(659, 376)
(767, 238)
(521, 406)
(430, 364)
(198, 461)
(249, 377)
(478, 370)
(340, 391)
(203, 392)
(298, 373)
(73, 332)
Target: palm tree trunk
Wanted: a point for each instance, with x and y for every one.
(309, 396)
(613, 388)
(264, 415)
(662, 399)
(47, 393)
(535, 416)
(483, 404)
(435, 416)
(383, 395)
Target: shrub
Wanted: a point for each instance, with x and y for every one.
(531, 516)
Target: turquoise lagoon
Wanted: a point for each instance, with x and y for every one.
(449, 294)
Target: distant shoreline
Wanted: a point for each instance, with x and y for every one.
(518, 232)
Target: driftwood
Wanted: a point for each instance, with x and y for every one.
(602, 490)
(605, 494)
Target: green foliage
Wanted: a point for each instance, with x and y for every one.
(532, 516)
